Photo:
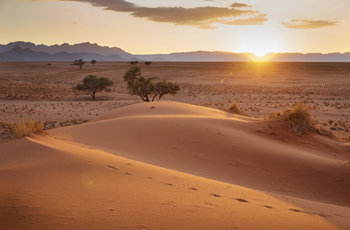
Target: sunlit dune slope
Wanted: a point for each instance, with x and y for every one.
(221, 146)
(49, 184)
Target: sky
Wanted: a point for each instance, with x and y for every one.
(166, 26)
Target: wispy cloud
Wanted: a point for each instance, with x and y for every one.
(308, 24)
(202, 17)
(236, 4)
(259, 20)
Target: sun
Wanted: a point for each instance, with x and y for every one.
(258, 44)
(260, 53)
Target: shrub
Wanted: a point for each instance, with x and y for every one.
(234, 107)
(23, 128)
(299, 119)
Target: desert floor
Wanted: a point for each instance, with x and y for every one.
(183, 162)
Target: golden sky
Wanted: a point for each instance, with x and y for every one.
(165, 26)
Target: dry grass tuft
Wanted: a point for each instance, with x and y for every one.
(273, 115)
(299, 119)
(23, 128)
(234, 107)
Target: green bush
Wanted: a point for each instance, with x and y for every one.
(92, 84)
(146, 88)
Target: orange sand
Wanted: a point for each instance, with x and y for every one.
(174, 166)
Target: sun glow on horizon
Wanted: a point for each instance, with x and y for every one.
(260, 53)
(259, 44)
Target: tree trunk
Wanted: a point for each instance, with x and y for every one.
(93, 96)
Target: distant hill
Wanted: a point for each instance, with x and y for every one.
(4, 58)
(19, 54)
(201, 56)
(29, 55)
(98, 57)
(26, 51)
(206, 56)
(77, 48)
(310, 57)
(159, 59)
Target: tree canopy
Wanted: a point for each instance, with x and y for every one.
(79, 63)
(93, 62)
(148, 63)
(92, 84)
(134, 63)
(146, 88)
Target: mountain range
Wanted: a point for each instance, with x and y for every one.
(27, 51)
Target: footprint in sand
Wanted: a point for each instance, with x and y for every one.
(267, 206)
(169, 184)
(129, 174)
(295, 210)
(150, 178)
(194, 189)
(112, 167)
(241, 200)
(216, 195)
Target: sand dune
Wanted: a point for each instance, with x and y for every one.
(79, 178)
(217, 145)
(65, 186)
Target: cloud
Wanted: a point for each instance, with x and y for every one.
(202, 17)
(308, 24)
(236, 4)
(259, 20)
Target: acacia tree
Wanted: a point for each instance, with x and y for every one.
(79, 63)
(144, 87)
(134, 63)
(165, 87)
(92, 84)
(148, 63)
(93, 62)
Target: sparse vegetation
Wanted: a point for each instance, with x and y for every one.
(148, 63)
(79, 63)
(299, 119)
(234, 107)
(146, 88)
(93, 62)
(134, 63)
(23, 128)
(91, 85)
(273, 115)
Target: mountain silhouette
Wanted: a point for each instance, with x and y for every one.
(30, 55)
(27, 51)
(77, 48)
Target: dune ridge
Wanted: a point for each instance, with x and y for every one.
(217, 145)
